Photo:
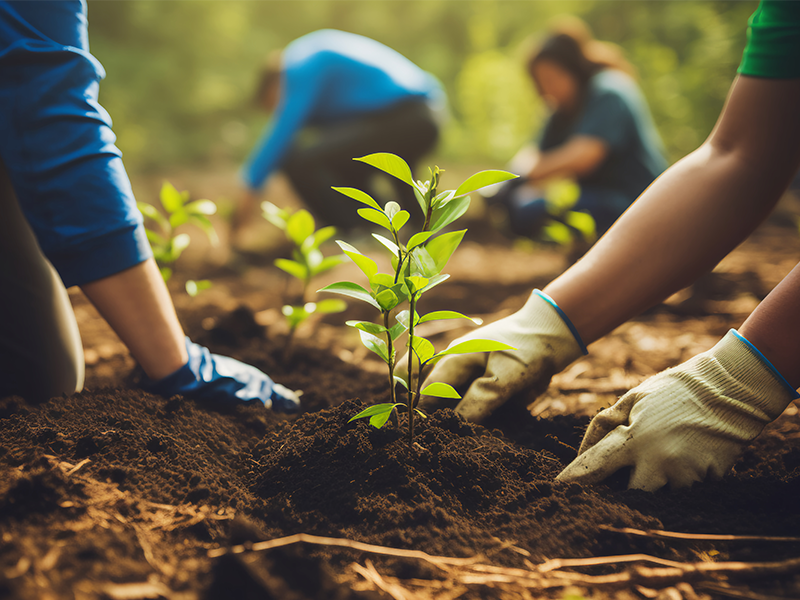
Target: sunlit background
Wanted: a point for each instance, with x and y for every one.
(181, 73)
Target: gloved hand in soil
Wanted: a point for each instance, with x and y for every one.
(686, 423)
(218, 378)
(546, 343)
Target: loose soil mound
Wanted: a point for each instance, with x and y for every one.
(114, 493)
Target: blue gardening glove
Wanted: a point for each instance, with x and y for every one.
(686, 423)
(220, 378)
(546, 343)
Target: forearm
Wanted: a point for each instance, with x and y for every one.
(137, 306)
(575, 158)
(774, 327)
(691, 216)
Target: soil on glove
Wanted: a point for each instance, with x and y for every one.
(116, 493)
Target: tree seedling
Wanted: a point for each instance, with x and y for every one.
(307, 261)
(168, 245)
(418, 264)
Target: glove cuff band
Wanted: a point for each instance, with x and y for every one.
(781, 379)
(564, 318)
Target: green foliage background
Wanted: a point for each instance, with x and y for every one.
(181, 73)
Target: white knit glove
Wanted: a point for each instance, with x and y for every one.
(545, 344)
(686, 423)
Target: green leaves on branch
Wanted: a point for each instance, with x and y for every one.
(418, 264)
(307, 259)
(166, 243)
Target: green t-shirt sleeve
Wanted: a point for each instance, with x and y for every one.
(773, 41)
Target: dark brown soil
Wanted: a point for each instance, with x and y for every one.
(115, 493)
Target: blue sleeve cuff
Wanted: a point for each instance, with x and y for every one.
(564, 318)
(102, 256)
(767, 364)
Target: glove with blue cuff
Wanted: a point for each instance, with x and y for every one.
(218, 378)
(545, 342)
(687, 423)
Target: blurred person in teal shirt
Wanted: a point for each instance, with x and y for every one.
(600, 133)
(335, 96)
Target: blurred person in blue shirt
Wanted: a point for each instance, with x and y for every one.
(335, 96)
(600, 133)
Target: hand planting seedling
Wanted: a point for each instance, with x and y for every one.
(307, 261)
(167, 245)
(418, 264)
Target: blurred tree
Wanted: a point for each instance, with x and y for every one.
(181, 74)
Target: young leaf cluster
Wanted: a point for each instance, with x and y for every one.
(307, 260)
(167, 245)
(418, 261)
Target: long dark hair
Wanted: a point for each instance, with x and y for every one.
(571, 46)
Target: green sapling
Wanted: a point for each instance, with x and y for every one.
(307, 261)
(168, 245)
(418, 264)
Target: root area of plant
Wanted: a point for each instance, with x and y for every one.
(114, 493)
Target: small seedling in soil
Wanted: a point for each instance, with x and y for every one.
(307, 262)
(418, 264)
(168, 245)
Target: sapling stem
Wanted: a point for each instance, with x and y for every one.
(412, 305)
(391, 363)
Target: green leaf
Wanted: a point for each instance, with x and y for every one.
(443, 198)
(391, 164)
(375, 216)
(420, 413)
(368, 266)
(201, 207)
(387, 299)
(440, 390)
(204, 223)
(423, 263)
(195, 287)
(557, 232)
(300, 226)
(375, 344)
(330, 306)
(323, 235)
(423, 348)
(400, 219)
(353, 290)
(368, 326)
(166, 273)
(400, 380)
(441, 248)
(295, 315)
(434, 281)
(151, 212)
(388, 243)
(327, 263)
(179, 243)
(381, 279)
(293, 268)
(416, 283)
(396, 330)
(440, 315)
(583, 222)
(362, 197)
(275, 215)
(482, 179)
(155, 239)
(444, 215)
(418, 239)
(171, 199)
(402, 318)
(479, 345)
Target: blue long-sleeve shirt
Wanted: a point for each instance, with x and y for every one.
(57, 144)
(329, 75)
